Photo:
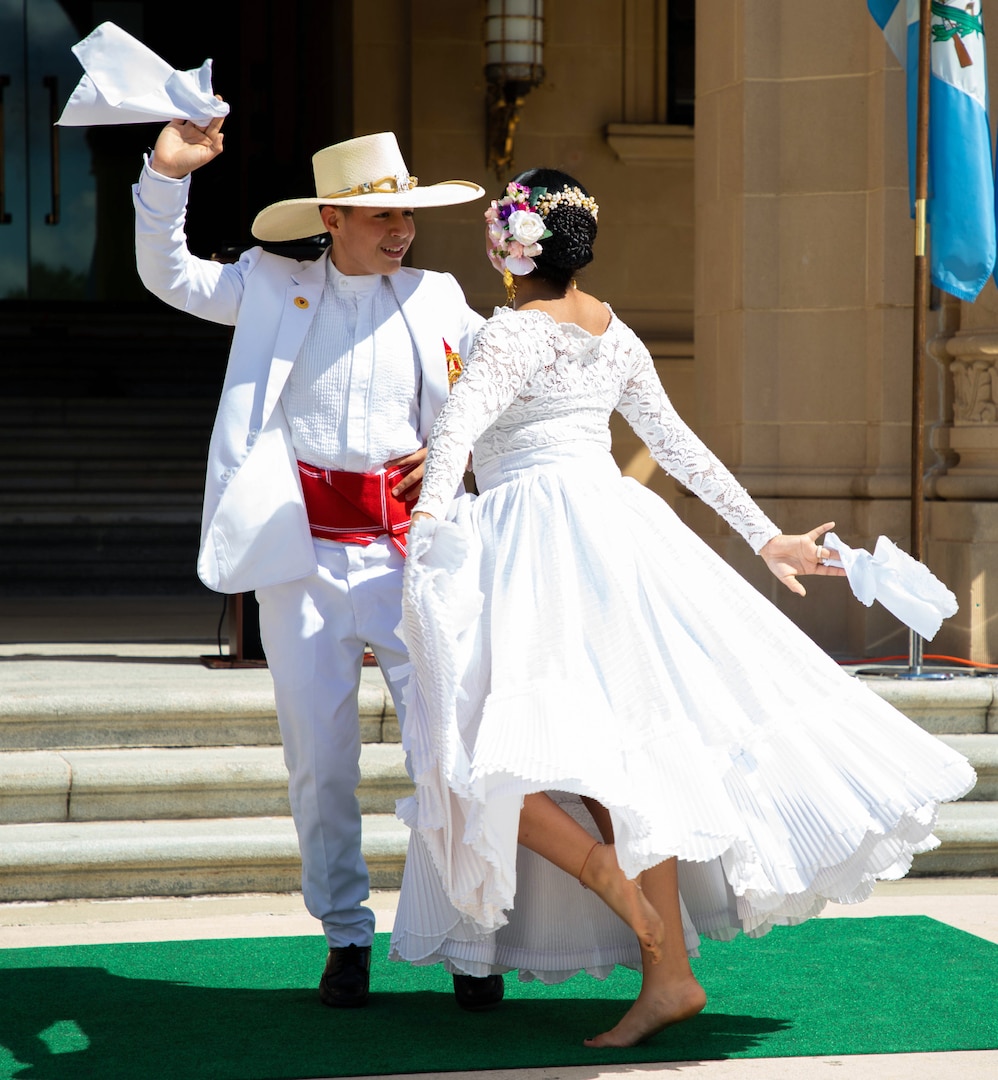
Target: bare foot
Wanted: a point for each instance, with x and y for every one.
(624, 897)
(652, 1012)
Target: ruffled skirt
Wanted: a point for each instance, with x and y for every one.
(569, 634)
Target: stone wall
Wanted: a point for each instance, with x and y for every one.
(777, 240)
(591, 118)
(804, 285)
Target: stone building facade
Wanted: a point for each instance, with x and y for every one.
(803, 313)
(763, 252)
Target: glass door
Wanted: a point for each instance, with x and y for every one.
(47, 184)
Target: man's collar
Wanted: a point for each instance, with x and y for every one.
(350, 283)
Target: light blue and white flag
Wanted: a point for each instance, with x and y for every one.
(961, 196)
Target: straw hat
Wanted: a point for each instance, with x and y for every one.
(367, 171)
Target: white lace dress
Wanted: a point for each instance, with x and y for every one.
(567, 633)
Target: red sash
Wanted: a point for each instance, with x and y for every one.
(355, 508)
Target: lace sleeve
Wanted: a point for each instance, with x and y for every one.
(503, 359)
(647, 408)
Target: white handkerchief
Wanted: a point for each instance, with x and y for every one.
(906, 587)
(126, 83)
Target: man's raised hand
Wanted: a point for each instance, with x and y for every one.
(182, 147)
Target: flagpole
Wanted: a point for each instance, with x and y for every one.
(920, 303)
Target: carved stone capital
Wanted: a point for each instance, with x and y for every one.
(970, 442)
(971, 358)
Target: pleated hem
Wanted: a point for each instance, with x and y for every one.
(779, 786)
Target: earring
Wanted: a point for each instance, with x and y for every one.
(510, 282)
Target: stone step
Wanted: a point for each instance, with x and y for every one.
(158, 696)
(966, 704)
(152, 784)
(168, 574)
(247, 781)
(982, 752)
(65, 507)
(66, 447)
(98, 480)
(162, 695)
(186, 759)
(76, 860)
(968, 835)
(98, 362)
(96, 414)
(81, 550)
(81, 555)
(78, 471)
(59, 443)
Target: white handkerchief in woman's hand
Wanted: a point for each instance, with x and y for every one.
(126, 83)
(906, 587)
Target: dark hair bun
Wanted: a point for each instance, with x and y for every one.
(573, 228)
(570, 246)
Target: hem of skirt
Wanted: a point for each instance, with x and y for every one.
(526, 971)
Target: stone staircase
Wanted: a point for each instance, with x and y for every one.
(963, 712)
(104, 427)
(158, 776)
(177, 787)
(103, 495)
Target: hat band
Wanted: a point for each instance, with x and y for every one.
(385, 185)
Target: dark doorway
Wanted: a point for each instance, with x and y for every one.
(108, 394)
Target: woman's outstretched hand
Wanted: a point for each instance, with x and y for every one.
(788, 556)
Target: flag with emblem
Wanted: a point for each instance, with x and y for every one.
(961, 195)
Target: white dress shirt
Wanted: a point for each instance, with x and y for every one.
(352, 398)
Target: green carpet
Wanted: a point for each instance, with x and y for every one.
(247, 1009)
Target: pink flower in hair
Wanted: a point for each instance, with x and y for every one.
(515, 230)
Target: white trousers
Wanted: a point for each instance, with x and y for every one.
(314, 631)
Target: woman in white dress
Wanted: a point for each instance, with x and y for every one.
(596, 695)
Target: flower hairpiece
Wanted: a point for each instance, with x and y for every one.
(516, 224)
(573, 196)
(515, 229)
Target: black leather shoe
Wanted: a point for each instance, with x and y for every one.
(344, 983)
(476, 995)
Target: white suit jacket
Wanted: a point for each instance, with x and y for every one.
(254, 529)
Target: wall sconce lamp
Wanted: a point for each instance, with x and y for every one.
(514, 64)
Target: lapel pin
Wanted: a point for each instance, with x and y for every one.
(301, 302)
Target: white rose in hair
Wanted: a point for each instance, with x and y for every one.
(526, 226)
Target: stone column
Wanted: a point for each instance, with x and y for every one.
(963, 525)
(803, 287)
(970, 442)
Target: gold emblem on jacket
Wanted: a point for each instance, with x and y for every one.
(454, 365)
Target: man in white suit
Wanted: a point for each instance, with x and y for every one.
(336, 372)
